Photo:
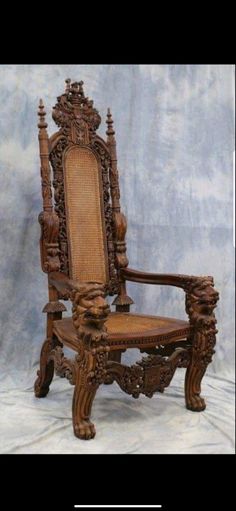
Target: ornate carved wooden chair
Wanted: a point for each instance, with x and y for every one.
(83, 251)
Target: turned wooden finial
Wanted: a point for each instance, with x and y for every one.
(41, 113)
(110, 130)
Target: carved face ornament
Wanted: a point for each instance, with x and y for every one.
(91, 302)
(205, 301)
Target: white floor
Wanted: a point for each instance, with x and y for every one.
(124, 425)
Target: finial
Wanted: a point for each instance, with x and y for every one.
(109, 121)
(67, 89)
(81, 90)
(41, 113)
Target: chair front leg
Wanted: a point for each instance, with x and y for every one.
(90, 373)
(201, 299)
(90, 311)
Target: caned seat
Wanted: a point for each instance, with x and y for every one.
(83, 251)
(126, 329)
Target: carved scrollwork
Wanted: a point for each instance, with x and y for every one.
(59, 198)
(168, 349)
(151, 374)
(104, 157)
(75, 114)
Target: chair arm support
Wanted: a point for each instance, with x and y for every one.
(89, 307)
(201, 297)
(165, 279)
(62, 282)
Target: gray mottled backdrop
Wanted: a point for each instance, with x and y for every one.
(175, 137)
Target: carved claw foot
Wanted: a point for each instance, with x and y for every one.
(85, 429)
(196, 404)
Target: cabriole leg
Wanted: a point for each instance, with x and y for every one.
(90, 373)
(201, 301)
(201, 356)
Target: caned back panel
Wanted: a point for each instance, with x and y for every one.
(85, 218)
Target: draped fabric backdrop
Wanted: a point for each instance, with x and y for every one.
(175, 140)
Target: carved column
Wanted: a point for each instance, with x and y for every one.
(49, 258)
(122, 301)
(48, 219)
(201, 300)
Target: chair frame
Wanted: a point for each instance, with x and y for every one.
(97, 361)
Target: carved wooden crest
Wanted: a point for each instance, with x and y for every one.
(75, 114)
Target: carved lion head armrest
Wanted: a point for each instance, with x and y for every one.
(89, 307)
(201, 300)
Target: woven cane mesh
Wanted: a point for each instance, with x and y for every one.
(128, 323)
(87, 249)
(123, 324)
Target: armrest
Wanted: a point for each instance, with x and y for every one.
(201, 297)
(167, 279)
(89, 307)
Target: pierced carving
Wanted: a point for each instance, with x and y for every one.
(168, 349)
(201, 300)
(151, 374)
(59, 199)
(75, 114)
(104, 157)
